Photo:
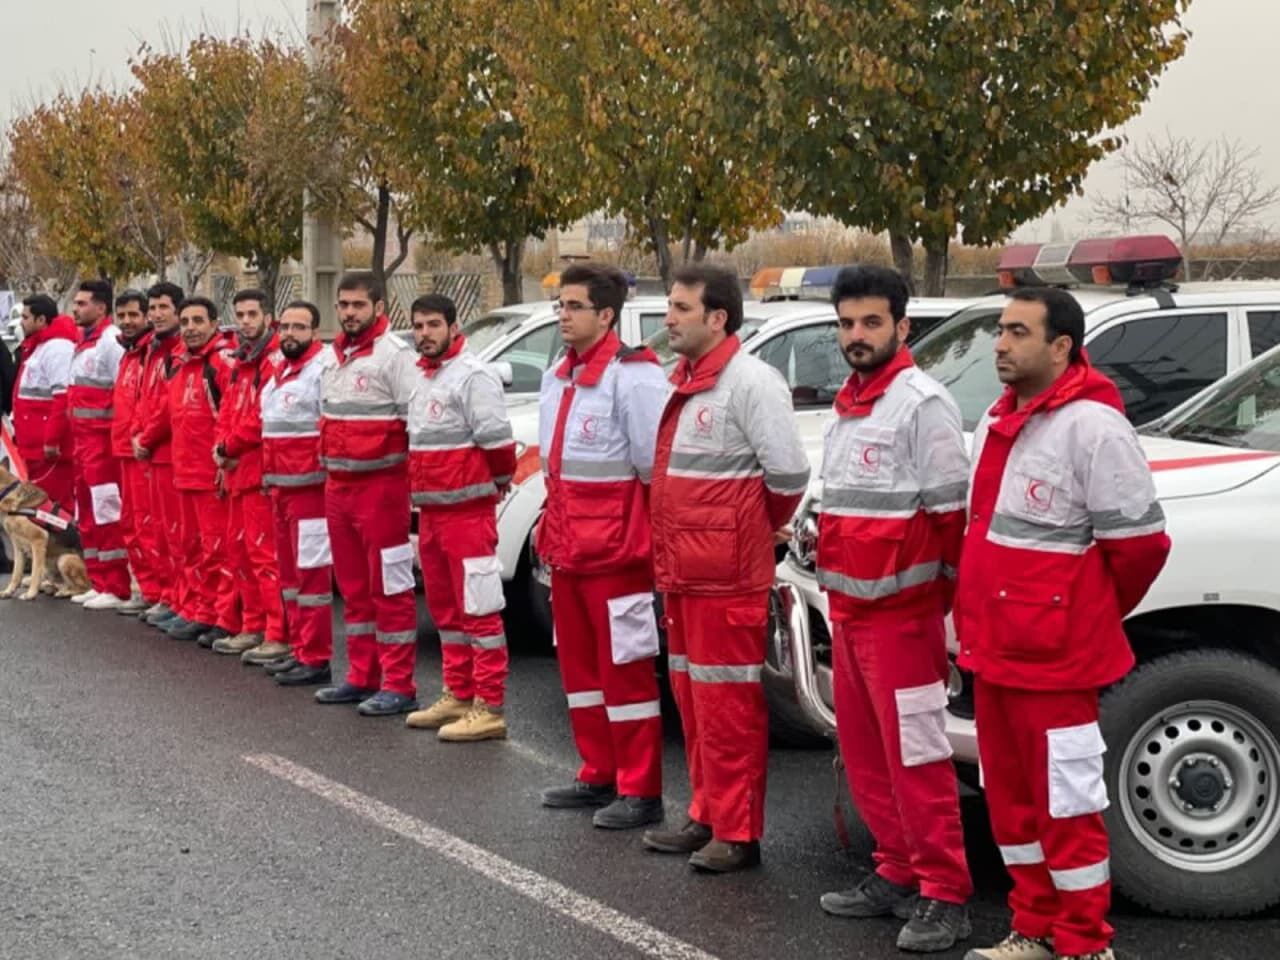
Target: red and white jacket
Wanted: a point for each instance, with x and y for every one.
(460, 445)
(151, 424)
(291, 420)
(729, 470)
(1065, 537)
(93, 381)
(597, 424)
(895, 478)
(128, 390)
(40, 392)
(364, 403)
(239, 433)
(199, 382)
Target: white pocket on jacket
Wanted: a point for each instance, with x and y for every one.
(482, 586)
(397, 569)
(922, 734)
(633, 628)
(106, 503)
(1076, 786)
(313, 544)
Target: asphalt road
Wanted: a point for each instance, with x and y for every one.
(160, 801)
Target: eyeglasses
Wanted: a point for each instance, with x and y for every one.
(573, 306)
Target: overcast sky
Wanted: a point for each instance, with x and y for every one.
(1222, 86)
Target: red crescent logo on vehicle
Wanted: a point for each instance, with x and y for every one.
(588, 428)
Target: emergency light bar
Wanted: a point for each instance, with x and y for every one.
(1134, 261)
(794, 283)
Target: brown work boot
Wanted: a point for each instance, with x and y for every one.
(1014, 947)
(264, 653)
(723, 856)
(445, 710)
(481, 722)
(237, 644)
(692, 836)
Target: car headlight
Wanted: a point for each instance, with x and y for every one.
(803, 545)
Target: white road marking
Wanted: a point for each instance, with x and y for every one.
(543, 890)
(537, 756)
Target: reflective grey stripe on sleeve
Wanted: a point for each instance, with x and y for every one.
(634, 711)
(95, 382)
(586, 698)
(397, 638)
(645, 474)
(378, 411)
(293, 479)
(289, 595)
(747, 673)
(1022, 854)
(360, 466)
(427, 498)
(89, 553)
(440, 440)
(787, 482)
(402, 410)
(1015, 528)
(906, 502)
(596, 470)
(108, 556)
(715, 464)
(677, 662)
(490, 643)
(455, 637)
(87, 413)
(35, 393)
(1082, 878)
(290, 428)
(949, 495)
(315, 599)
(360, 629)
(1114, 524)
(496, 438)
(880, 587)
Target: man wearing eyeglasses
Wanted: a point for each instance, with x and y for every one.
(599, 420)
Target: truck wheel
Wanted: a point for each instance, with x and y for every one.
(1193, 774)
(788, 725)
(538, 586)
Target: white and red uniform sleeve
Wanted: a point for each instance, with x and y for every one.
(943, 468)
(642, 396)
(485, 410)
(769, 423)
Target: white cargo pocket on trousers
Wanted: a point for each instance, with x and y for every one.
(106, 503)
(922, 733)
(633, 628)
(397, 569)
(1076, 786)
(313, 544)
(482, 586)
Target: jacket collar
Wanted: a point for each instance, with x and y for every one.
(857, 397)
(1080, 381)
(89, 337)
(217, 342)
(139, 343)
(291, 368)
(703, 373)
(251, 352)
(432, 365)
(593, 360)
(347, 347)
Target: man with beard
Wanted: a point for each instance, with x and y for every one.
(461, 458)
(238, 451)
(892, 520)
(292, 473)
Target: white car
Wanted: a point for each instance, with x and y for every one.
(1194, 767)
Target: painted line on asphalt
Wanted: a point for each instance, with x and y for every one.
(542, 890)
(537, 756)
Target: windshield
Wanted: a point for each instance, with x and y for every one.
(961, 355)
(660, 345)
(485, 330)
(1241, 412)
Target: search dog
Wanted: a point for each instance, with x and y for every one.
(46, 533)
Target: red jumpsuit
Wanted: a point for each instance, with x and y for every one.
(364, 447)
(598, 417)
(141, 526)
(291, 470)
(97, 472)
(251, 528)
(40, 407)
(895, 472)
(196, 388)
(728, 471)
(460, 453)
(153, 430)
(1065, 537)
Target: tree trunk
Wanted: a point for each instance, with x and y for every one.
(268, 274)
(508, 258)
(699, 252)
(935, 268)
(661, 250)
(903, 256)
(380, 225)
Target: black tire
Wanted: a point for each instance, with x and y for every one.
(537, 595)
(1209, 718)
(788, 726)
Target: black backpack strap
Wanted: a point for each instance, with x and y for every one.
(211, 382)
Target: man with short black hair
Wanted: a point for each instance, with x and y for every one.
(40, 427)
(729, 471)
(895, 473)
(1065, 537)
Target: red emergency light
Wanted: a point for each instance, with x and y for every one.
(1134, 261)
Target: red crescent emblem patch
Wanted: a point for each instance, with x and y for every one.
(703, 421)
(435, 410)
(1039, 495)
(588, 428)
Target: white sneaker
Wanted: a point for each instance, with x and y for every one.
(104, 601)
(86, 596)
(134, 605)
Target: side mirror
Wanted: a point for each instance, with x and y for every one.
(503, 369)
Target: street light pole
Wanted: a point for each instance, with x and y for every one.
(321, 240)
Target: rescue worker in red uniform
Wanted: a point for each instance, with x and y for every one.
(364, 447)
(1065, 537)
(238, 451)
(200, 381)
(895, 472)
(97, 472)
(728, 474)
(137, 521)
(598, 417)
(461, 459)
(40, 427)
(291, 472)
(153, 445)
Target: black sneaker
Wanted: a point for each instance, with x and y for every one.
(281, 665)
(386, 703)
(626, 813)
(303, 676)
(191, 631)
(935, 925)
(873, 897)
(343, 693)
(579, 794)
(210, 637)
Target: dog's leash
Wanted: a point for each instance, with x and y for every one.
(10, 488)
